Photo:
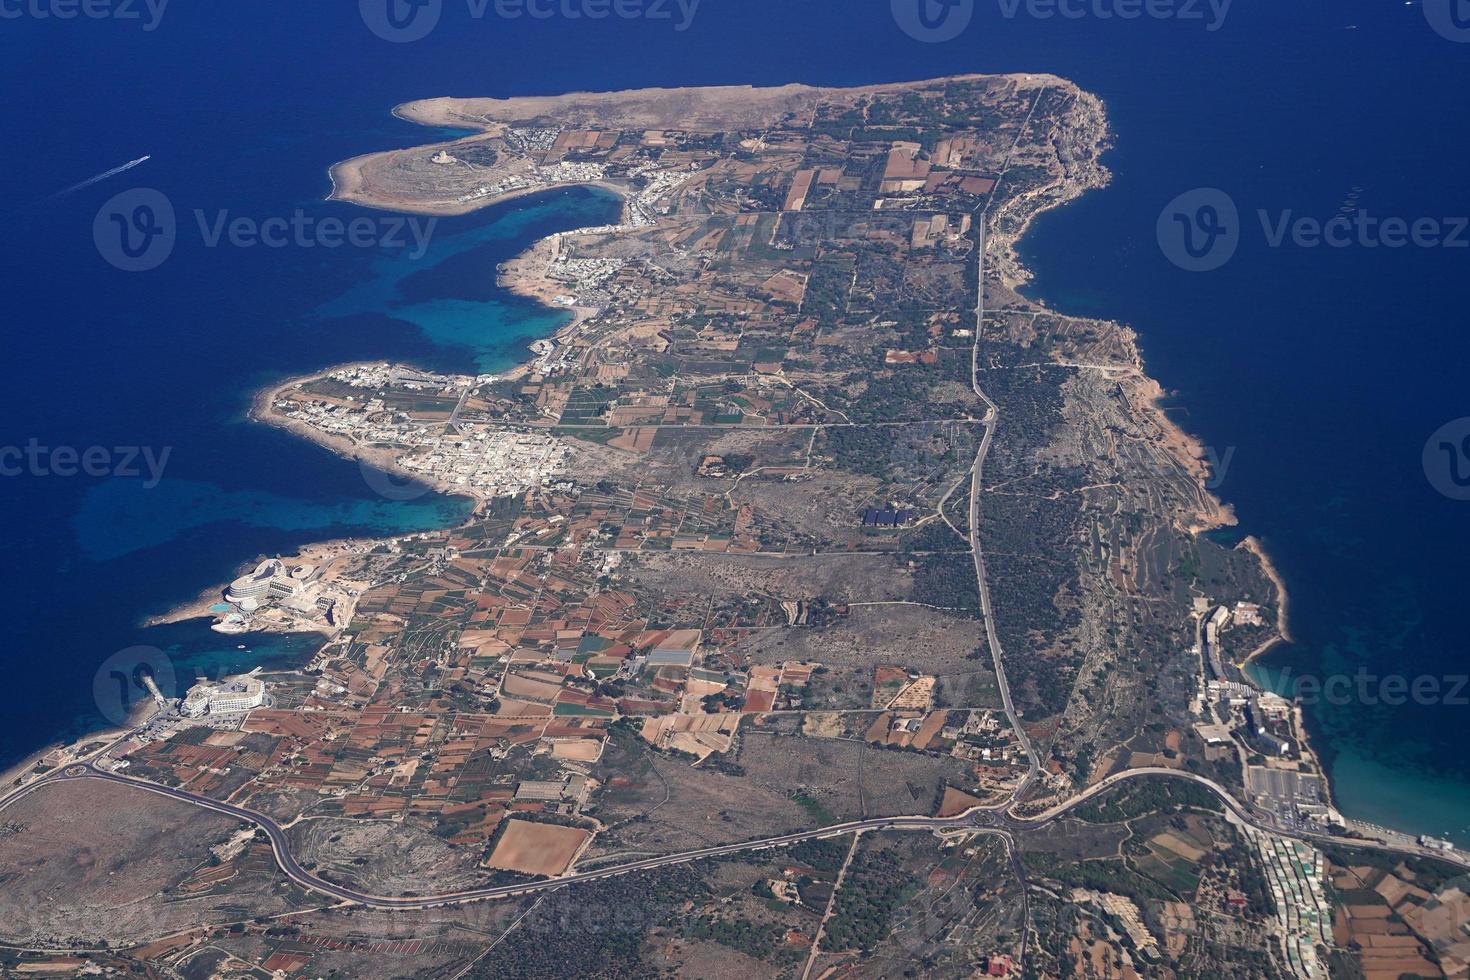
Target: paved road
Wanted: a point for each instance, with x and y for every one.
(991, 420)
(1235, 806)
(281, 845)
(996, 819)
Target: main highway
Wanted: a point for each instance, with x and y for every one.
(992, 418)
(986, 820)
(281, 845)
(995, 819)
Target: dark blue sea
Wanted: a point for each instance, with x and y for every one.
(1317, 374)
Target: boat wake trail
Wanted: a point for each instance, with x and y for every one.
(105, 175)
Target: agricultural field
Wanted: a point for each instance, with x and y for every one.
(536, 848)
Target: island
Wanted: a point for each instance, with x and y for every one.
(828, 608)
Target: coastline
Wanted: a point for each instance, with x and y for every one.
(378, 457)
(185, 612)
(1257, 547)
(525, 275)
(202, 606)
(693, 108)
(348, 182)
(1183, 446)
(14, 776)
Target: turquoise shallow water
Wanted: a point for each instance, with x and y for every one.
(1410, 799)
(1324, 369)
(469, 323)
(449, 294)
(191, 652)
(226, 489)
(119, 518)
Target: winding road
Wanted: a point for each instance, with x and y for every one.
(281, 845)
(994, 819)
(997, 819)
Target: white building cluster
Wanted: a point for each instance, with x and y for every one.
(525, 141)
(564, 172)
(1295, 872)
(484, 458)
(270, 580)
(231, 696)
(275, 595)
(488, 461)
(643, 207)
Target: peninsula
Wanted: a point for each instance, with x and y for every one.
(828, 608)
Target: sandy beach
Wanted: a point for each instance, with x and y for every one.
(60, 754)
